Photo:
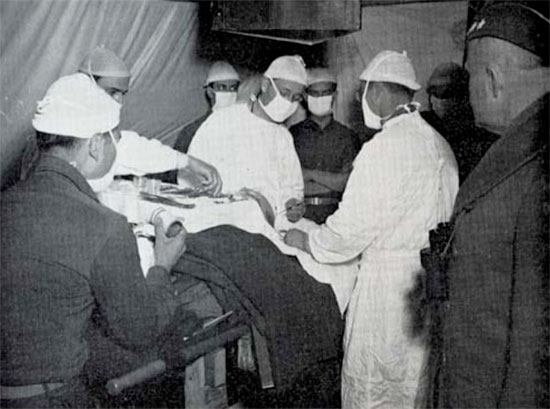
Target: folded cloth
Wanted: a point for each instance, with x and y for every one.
(298, 315)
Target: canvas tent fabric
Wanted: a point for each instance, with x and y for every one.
(44, 40)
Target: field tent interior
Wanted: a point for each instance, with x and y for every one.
(169, 46)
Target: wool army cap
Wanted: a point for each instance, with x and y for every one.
(524, 24)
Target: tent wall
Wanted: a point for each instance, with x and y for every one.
(431, 33)
(43, 40)
(168, 47)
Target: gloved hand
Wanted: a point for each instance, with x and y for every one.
(295, 209)
(207, 174)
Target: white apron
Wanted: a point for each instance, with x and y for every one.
(382, 366)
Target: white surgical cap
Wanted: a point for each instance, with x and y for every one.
(74, 106)
(221, 71)
(104, 63)
(391, 66)
(317, 75)
(290, 68)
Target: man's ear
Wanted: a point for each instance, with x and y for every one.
(264, 85)
(95, 146)
(210, 95)
(265, 95)
(496, 79)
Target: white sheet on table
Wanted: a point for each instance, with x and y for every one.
(245, 215)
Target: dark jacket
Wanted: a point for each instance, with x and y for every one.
(298, 315)
(330, 149)
(495, 323)
(62, 254)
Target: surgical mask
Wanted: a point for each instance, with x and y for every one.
(224, 99)
(102, 183)
(280, 108)
(320, 106)
(371, 119)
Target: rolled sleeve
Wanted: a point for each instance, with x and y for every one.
(137, 155)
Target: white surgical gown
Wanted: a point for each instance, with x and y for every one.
(250, 152)
(137, 155)
(403, 183)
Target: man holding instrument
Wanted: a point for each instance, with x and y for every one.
(64, 254)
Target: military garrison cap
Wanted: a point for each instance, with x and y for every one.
(524, 24)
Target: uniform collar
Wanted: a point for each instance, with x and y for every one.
(316, 125)
(53, 164)
(520, 144)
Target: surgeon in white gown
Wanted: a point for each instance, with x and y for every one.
(404, 182)
(137, 155)
(252, 149)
